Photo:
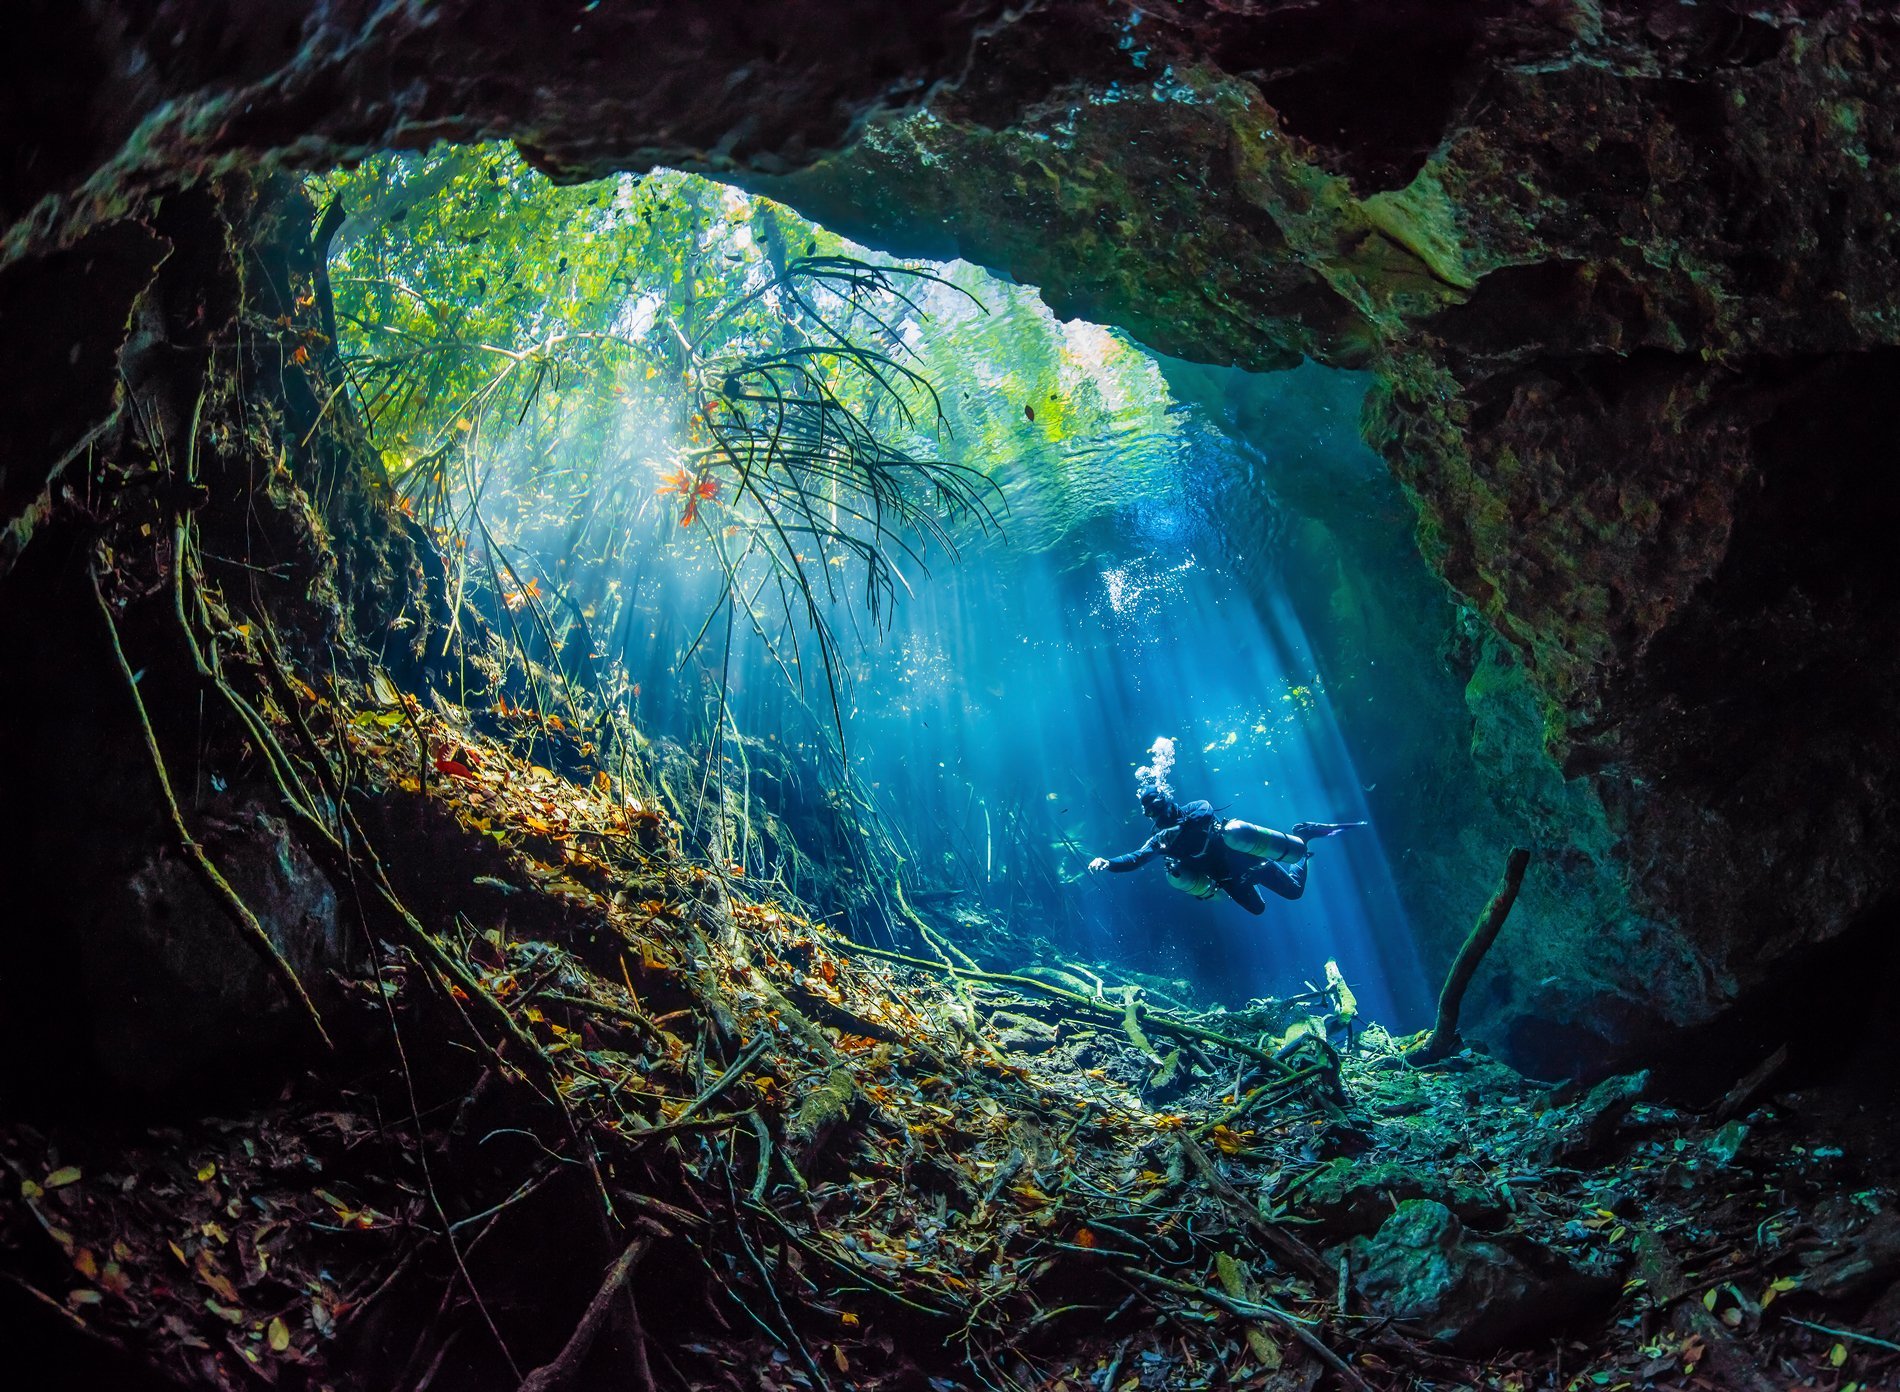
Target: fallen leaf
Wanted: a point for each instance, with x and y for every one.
(220, 1283)
(278, 1335)
(64, 1175)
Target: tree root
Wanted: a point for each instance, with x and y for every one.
(1117, 1015)
(194, 852)
(1444, 1040)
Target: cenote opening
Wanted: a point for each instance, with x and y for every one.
(1053, 698)
(857, 542)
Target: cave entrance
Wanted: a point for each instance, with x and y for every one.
(892, 575)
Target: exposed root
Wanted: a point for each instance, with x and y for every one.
(214, 879)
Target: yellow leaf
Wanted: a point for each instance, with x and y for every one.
(837, 1356)
(278, 1335)
(86, 1264)
(1708, 1300)
(208, 1169)
(1837, 1355)
(64, 1175)
(849, 1319)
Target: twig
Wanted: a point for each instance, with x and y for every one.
(724, 1080)
(1167, 1024)
(1844, 1334)
(1259, 1310)
(1247, 1103)
(607, 1008)
(1285, 1243)
(220, 887)
(522, 1191)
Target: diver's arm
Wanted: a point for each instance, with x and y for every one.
(1133, 860)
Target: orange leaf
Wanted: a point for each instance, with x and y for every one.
(454, 768)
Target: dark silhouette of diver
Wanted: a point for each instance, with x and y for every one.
(1208, 854)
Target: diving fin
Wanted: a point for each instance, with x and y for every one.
(1313, 831)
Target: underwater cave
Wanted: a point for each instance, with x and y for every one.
(1067, 697)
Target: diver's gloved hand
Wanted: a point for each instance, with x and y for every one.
(1099, 863)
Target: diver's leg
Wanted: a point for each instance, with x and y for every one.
(1263, 842)
(1245, 893)
(1289, 882)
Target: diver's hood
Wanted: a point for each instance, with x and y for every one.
(1161, 808)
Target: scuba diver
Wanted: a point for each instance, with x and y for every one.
(1208, 854)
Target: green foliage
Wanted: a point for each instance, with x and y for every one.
(566, 382)
(589, 358)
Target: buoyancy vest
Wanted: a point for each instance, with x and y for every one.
(1196, 843)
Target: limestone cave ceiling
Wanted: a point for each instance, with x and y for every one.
(1624, 272)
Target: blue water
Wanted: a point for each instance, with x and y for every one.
(1026, 693)
(997, 720)
(995, 712)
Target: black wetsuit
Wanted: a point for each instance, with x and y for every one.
(1189, 837)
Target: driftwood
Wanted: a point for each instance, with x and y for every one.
(1445, 1040)
(1743, 1095)
(581, 1342)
